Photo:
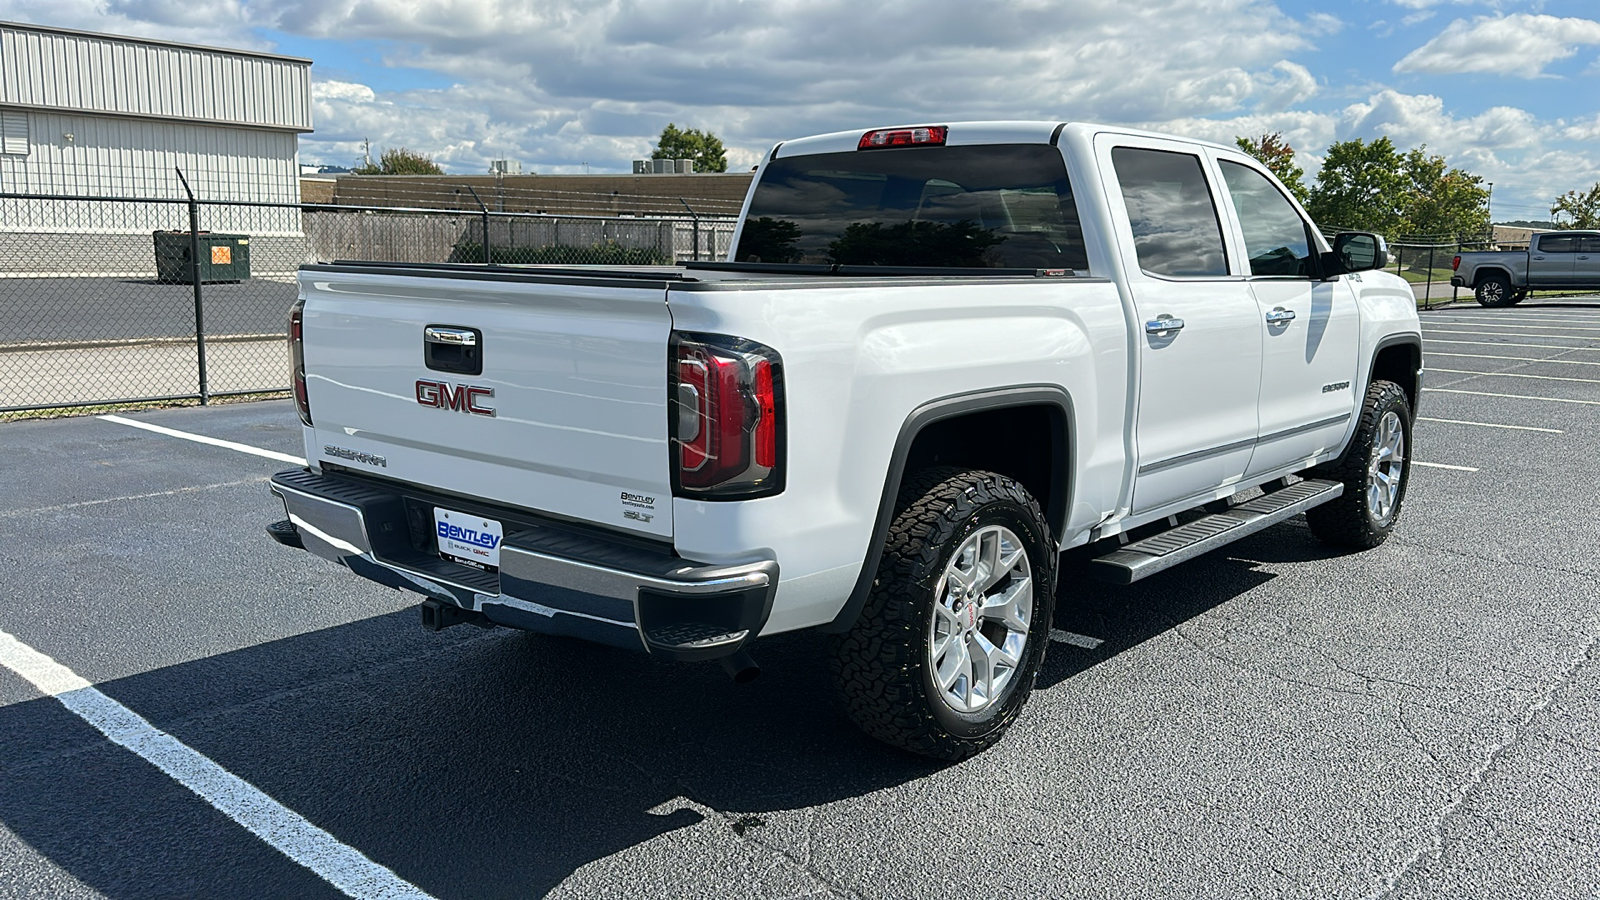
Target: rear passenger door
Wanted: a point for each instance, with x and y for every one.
(1199, 335)
(1586, 266)
(1310, 327)
(1551, 259)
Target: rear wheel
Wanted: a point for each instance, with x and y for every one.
(946, 650)
(1374, 470)
(1494, 291)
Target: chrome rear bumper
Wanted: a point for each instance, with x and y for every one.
(551, 579)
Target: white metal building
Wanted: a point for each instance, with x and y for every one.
(85, 114)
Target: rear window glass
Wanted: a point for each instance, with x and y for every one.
(987, 206)
(1176, 230)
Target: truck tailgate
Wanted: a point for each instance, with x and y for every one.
(568, 416)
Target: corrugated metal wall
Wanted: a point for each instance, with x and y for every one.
(107, 116)
(112, 157)
(106, 74)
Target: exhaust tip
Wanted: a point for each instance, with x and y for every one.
(740, 667)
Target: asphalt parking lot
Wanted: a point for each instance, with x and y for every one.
(1274, 720)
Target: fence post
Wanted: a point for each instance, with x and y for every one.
(1455, 292)
(488, 252)
(1428, 303)
(696, 218)
(194, 273)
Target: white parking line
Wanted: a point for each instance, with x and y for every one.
(1537, 359)
(1075, 639)
(1517, 321)
(1491, 425)
(1498, 323)
(190, 489)
(202, 439)
(1508, 344)
(1443, 466)
(1510, 396)
(284, 830)
(1507, 333)
(1514, 375)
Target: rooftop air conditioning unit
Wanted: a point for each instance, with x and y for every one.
(663, 167)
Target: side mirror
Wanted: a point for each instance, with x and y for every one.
(1355, 251)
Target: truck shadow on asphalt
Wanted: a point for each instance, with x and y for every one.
(1117, 618)
(496, 763)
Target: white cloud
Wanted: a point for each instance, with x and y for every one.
(1429, 4)
(565, 82)
(218, 22)
(557, 84)
(342, 90)
(1518, 44)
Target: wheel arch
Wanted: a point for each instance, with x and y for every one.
(933, 434)
(1482, 273)
(1398, 358)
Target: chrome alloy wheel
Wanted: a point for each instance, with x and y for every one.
(1386, 466)
(983, 607)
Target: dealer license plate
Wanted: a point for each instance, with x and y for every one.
(468, 539)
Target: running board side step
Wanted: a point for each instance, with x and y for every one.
(1160, 552)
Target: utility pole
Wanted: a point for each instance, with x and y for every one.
(1491, 211)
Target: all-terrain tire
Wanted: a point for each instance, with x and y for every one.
(882, 667)
(1494, 291)
(1360, 518)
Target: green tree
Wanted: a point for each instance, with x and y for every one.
(1441, 201)
(962, 243)
(770, 240)
(1361, 187)
(400, 161)
(1577, 209)
(1276, 154)
(703, 147)
(1374, 187)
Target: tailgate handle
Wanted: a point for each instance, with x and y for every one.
(447, 348)
(461, 337)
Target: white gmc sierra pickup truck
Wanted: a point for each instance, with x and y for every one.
(937, 357)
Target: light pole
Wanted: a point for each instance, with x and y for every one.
(1491, 210)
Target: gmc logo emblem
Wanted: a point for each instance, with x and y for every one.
(459, 397)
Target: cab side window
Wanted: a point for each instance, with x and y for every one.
(1176, 231)
(1589, 243)
(1276, 239)
(1558, 243)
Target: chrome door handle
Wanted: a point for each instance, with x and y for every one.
(1162, 324)
(462, 337)
(1280, 316)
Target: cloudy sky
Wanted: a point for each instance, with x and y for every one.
(1507, 89)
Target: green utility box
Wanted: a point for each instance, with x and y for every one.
(223, 257)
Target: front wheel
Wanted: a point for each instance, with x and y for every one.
(946, 650)
(1374, 470)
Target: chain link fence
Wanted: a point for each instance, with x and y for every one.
(1426, 262)
(107, 300)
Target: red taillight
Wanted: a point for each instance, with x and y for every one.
(1455, 264)
(767, 416)
(297, 361)
(727, 428)
(929, 135)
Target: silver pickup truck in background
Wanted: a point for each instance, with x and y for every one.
(1562, 260)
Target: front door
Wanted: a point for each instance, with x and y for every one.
(1199, 338)
(1310, 327)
